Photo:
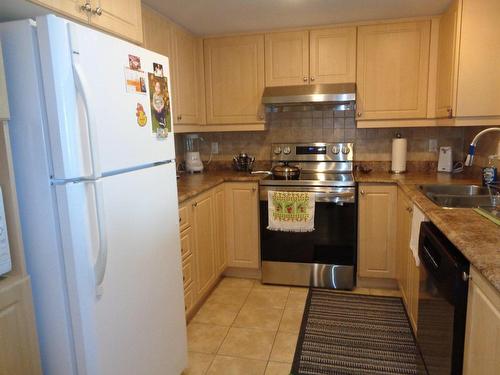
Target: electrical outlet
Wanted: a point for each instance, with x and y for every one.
(433, 145)
(215, 147)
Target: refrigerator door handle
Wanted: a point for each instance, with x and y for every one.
(82, 86)
(102, 254)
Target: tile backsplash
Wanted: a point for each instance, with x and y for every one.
(330, 126)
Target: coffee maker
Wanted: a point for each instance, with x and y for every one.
(192, 153)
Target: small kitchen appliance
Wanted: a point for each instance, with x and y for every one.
(325, 257)
(445, 162)
(5, 262)
(192, 155)
(243, 162)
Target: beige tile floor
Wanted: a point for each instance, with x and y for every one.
(248, 328)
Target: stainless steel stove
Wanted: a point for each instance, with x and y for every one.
(325, 257)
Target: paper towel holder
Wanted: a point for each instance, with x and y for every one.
(393, 169)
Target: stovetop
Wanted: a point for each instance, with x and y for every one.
(321, 164)
(313, 179)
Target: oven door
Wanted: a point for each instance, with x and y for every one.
(325, 257)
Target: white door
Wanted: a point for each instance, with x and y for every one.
(137, 324)
(99, 91)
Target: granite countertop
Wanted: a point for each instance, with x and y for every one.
(475, 236)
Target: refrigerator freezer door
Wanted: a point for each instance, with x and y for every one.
(100, 107)
(137, 324)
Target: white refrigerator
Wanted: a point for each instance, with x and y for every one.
(93, 151)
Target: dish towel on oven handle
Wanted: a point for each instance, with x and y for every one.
(417, 218)
(291, 211)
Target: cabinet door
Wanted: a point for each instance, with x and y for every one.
(204, 229)
(403, 242)
(482, 332)
(447, 64)
(220, 229)
(18, 339)
(71, 8)
(234, 75)
(242, 225)
(287, 58)
(479, 73)
(392, 70)
(120, 17)
(333, 55)
(377, 231)
(186, 81)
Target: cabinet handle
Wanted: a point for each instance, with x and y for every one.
(360, 114)
(254, 190)
(312, 78)
(450, 112)
(179, 117)
(261, 117)
(304, 79)
(195, 204)
(86, 7)
(97, 11)
(180, 219)
(362, 192)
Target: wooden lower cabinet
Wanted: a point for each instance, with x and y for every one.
(220, 229)
(408, 273)
(203, 244)
(204, 236)
(18, 340)
(377, 231)
(482, 332)
(242, 224)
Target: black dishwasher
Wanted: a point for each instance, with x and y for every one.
(442, 302)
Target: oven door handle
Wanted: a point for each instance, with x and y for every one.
(323, 197)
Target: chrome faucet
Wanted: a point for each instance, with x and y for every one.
(472, 146)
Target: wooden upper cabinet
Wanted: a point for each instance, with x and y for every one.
(479, 61)
(121, 17)
(392, 70)
(234, 78)
(158, 33)
(287, 58)
(447, 66)
(71, 8)
(377, 231)
(186, 108)
(333, 55)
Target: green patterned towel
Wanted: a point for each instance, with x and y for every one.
(291, 211)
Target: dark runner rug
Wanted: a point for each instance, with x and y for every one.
(354, 334)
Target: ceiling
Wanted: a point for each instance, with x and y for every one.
(207, 17)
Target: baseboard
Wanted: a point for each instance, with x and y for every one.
(247, 273)
(371, 282)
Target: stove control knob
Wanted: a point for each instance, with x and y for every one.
(346, 150)
(335, 149)
(277, 150)
(286, 150)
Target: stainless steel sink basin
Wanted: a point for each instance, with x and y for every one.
(457, 195)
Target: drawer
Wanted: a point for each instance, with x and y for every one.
(186, 243)
(187, 271)
(184, 218)
(188, 298)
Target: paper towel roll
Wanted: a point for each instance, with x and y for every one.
(398, 155)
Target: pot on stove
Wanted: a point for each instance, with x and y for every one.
(285, 171)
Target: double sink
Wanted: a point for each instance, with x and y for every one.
(487, 199)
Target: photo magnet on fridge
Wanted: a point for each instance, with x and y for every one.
(134, 62)
(135, 81)
(160, 105)
(158, 69)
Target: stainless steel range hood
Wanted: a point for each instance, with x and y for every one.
(309, 94)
